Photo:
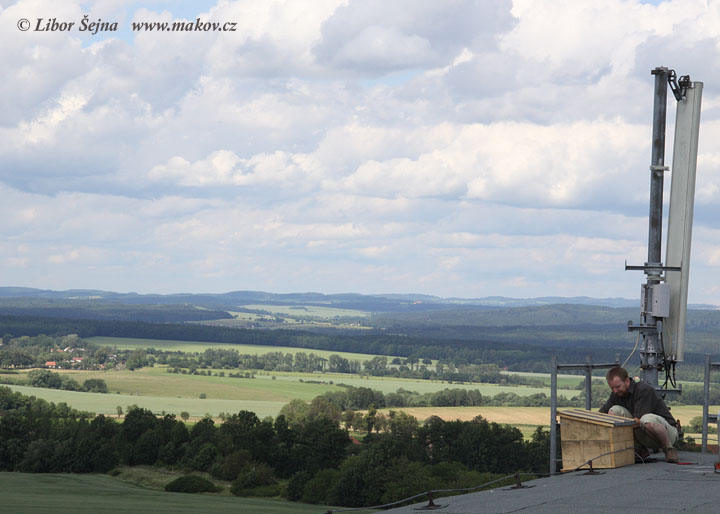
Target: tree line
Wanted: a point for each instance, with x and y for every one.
(522, 354)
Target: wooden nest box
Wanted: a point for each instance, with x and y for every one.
(585, 435)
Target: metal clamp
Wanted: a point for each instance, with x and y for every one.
(678, 87)
(659, 168)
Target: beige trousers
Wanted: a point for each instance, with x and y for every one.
(641, 436)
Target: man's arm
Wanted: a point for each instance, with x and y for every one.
(609, 403)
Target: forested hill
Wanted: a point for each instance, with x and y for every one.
(545, 315)
(104, 310)
(395, 325)
(370, 303)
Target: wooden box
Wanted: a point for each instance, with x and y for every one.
(605, 439)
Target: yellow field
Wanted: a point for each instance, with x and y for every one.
(522, 415)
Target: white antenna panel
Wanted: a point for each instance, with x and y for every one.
(679, 234)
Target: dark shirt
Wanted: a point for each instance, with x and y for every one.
(640, 399)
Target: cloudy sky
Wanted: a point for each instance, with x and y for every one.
(454, 148)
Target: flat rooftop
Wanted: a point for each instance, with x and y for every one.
(691, 486)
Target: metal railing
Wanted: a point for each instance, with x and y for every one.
(707, 417)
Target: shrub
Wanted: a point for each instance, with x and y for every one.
(95, 385)
(191, 484)
(255, 474)
(230, 466)
(316, 490)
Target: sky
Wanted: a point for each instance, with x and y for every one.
(453, 148)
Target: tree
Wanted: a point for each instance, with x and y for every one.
(146, 448)
(185, 415)
(295, 412)
(137, 359)
(45, 378)
(320, 407)
(137, 422)
(204, 457)
(95, 385)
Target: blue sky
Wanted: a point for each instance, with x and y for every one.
(455, 148)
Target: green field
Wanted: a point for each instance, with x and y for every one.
(563, 381)
(107, 403)
(155, 389)
(197, 347)
(71, 494)
(293, 316)
(312, 311)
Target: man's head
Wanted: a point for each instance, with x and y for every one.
(618, 380)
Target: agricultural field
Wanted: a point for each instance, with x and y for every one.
(198, 347)
(563, 381)
(524, 415)
(527, 419)
(156, 389)
(311, 311)
(25, 493)
(293, 316)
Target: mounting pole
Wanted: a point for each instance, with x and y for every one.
(650, 353)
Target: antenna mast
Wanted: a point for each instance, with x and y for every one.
(663, 297)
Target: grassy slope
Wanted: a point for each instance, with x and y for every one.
(72, 494)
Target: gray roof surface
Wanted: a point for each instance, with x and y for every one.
(692, 486)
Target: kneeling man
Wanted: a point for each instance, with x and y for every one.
(638, 400)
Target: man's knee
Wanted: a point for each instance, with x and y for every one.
(654, 424)
(619, 410)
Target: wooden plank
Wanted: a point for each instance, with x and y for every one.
(596, 417)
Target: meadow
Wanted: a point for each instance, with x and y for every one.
(155, 389)
(198, 347)
(293, 316)
(312, 311)
(23, 493)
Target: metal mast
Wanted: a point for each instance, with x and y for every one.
(656, 293)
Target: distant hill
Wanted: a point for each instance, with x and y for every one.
(370, 303)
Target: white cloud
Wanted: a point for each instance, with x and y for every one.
(454, 148)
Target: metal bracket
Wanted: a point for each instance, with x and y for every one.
(591, 471)
(431, 504)
(651, 267)
(659, 169)
(678, 87)
(646, 328)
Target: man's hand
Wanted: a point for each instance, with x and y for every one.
(637, 423)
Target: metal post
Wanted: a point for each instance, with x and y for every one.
(588, 384)
(718, 438)
(553, 414)
(651, 348)
(706, 405)
(657, 164)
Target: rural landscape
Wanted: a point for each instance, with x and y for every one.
(302, 399)
(302, 257)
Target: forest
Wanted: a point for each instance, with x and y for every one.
(305, 454)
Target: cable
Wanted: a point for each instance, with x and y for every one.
(637, 342)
